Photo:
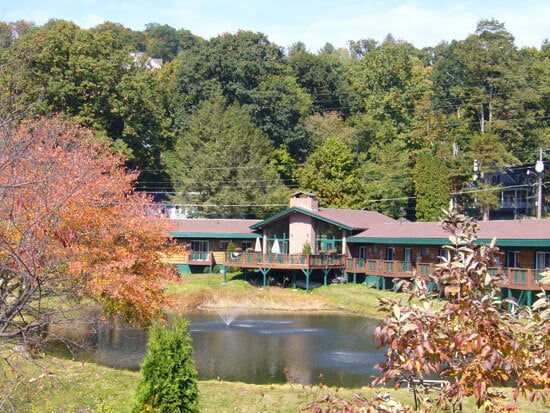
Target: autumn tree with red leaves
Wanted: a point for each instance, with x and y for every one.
(473, 339)
(72, 228)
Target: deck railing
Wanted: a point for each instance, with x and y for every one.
(516, 278)
(385, 268)
(259, 260)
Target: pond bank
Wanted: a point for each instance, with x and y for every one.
(209, 292)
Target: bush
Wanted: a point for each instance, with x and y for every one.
(169, 378)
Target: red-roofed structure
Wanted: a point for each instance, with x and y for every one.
(335, 244)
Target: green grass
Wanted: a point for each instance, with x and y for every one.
(354, 298)
(51, 384)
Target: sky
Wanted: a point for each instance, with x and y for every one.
(313, 22)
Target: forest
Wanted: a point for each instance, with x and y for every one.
(230, 126)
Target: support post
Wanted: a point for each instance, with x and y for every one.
(264, 272)
(307, 274)
(325, 273)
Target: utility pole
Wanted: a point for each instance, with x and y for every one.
(539, 168)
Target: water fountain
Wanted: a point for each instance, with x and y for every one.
(228, 315)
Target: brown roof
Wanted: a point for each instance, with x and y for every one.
(215, 226)
(357, 219)
(524, 229)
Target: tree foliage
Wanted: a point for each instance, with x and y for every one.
(387, 177)
(223, 159)
(333, 174)
(169, 378)
(431, 186)
(72, 227)
(373, 96)
(473, 339)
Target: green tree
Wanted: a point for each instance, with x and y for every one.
(332, 172)
(249, 70)
(391, 82)
(285, 165)
(89, 75)
(161, 41)
(431, 186)
(490, 156)
(169, 378)
(387, 179)
(492, 87)
(330, 124)
(323, 77)
(222, 162)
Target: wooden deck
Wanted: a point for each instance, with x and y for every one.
(193, 258)
(284, 261)
(516, 278)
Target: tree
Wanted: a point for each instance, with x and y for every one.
(71, 227)
(322, 76)
(392, 81)
(473, 339)
(489, 155)
(221, 164)
(169, 378)
(492, 87)
(387, 179)
(161, 41)
(330, 124)
(90, 76)
(332, 173)
(245, 68)
(431, 186)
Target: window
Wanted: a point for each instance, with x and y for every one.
(200, 246)
(512, 259)
(542, 260)
(425, 251)
(390, 253)
(362, 252)
(223, 245)
(408, 255)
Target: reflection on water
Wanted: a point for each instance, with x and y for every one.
(260, 349)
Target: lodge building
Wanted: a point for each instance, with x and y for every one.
(305, 245)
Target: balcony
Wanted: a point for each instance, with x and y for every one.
(514, 278)
(284, 261)
(192, 258)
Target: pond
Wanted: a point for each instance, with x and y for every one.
(262, 348)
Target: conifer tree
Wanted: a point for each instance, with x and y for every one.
(169, 378)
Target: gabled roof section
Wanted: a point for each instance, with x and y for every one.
(214, 228)
(349, 219)
(524, 233)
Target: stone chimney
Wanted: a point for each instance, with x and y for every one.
(305, 200)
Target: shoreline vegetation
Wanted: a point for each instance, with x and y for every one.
(55, 384)
(208, 292)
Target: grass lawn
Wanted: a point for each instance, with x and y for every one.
(51, 384)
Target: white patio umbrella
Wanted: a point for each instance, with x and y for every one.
(276, 248)
(258, 246)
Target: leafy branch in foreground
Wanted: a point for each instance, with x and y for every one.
(472, 339)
